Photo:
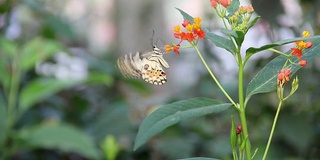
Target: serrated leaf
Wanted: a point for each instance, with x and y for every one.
(173, 113)
(266, 79)
(58, 136)
(41, 88)
(250, 51)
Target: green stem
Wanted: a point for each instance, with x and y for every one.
(279, 52)
(272, 130)
(12, 104)
(215, 79)
(242, 111)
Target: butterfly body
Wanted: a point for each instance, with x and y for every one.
(147, 66)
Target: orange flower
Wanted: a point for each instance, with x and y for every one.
(167, 48)
(200, 33)
(174, 48)
(297, 52)
(177, 31)
(283, 77)
(301, 44)
(194, 31)
(189, 36)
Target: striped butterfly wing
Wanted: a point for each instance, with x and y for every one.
(146, 66)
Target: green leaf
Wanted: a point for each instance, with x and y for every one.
(100, 78)
(110, 147)
(237, 35)
(266, 79)
(233, 7)
(58, 136)
(111, 113)
(185, 15)
(233, 136)
(252, 23)
(7, 47)
(37, 50)
(171, 114)
(220, 41)
(41, 88)
(3, 120)
(250, 51)
(60, 26)
(199, 158)
(7, 51)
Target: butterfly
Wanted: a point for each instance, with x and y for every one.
(147, 66)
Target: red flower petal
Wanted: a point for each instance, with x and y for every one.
(297, 52)
(185, 23)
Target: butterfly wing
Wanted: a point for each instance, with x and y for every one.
(128, 67)
(153, 73)
(147, 66)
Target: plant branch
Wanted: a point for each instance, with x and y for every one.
(215, 79)
(272, 130)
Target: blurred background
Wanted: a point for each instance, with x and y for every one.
(70, 102)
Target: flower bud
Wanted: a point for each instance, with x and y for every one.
(213, 3)
(302, 62)
(308, 44)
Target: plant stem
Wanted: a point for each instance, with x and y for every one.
(215, 79)
(12, 104)
(279, 52)
(242, 113)
(272, 130)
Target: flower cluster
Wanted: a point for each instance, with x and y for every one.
(239, 21)
(283, 77)
(300, 46)
(224, 3)
(193, 33)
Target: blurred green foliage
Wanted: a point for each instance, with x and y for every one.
(42, 117)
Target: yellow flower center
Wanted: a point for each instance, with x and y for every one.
(305, 34)
(177, 29)
(189, 27)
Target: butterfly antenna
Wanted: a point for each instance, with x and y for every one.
(151, 39)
